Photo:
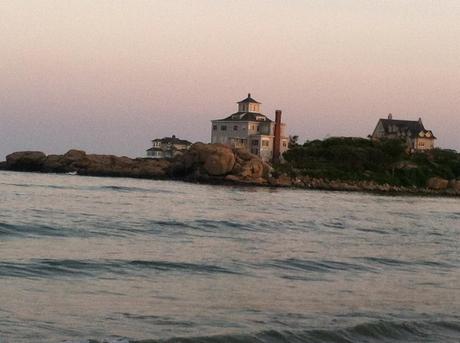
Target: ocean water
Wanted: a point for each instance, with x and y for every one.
(87, 259)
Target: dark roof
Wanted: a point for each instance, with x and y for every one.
(172, 140)
(248, 99)
(412, 127)
(246, 116)
(154, 149)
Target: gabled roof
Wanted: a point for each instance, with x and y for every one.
(248, 100)
(410, 127)
(246, 116)
(172, 140)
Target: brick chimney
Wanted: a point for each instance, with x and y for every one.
(277, 139)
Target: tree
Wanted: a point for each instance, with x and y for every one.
(293, 141)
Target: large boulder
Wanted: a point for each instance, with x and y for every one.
(74, 155)
(216, 159)
(3, 165)
(220, 163)
(25, 161)
(437, 183)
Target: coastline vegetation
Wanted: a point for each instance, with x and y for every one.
(359, 159)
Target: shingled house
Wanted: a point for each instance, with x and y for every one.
(412, 132)
(167, 147)
(251, 130)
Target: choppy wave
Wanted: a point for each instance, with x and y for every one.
(371, 332)
(21, 230)
(87, 228)
(49, 268)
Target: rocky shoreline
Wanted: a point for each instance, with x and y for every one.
(206, 163)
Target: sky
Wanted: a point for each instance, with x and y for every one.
(109, 76)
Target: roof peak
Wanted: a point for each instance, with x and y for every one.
(249, 99)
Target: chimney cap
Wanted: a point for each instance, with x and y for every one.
(390, 116)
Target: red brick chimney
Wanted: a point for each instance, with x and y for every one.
(277, 139)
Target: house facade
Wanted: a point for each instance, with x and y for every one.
(167, 147)
(412, 132)
(251, 130)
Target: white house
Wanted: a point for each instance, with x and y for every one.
(250, 129)
(167, 147)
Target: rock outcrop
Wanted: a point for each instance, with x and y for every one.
(216, 162)
(203, 162)
(437, 183)
(208, 163)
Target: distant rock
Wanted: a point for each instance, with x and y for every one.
(281, 181)
(437, 183)
(455, 185)
(25, 161)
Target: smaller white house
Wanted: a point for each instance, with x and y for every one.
(167, 147)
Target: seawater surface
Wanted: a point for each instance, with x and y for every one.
(87, 259)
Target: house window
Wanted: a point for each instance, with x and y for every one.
(223, 128)
(265, 142)
(214, 127)
(255, 143)
(284, 144)
(235, 128)
(258, 128)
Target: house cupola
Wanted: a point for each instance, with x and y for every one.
(249, 105)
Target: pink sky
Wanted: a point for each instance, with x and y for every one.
(108, 76)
